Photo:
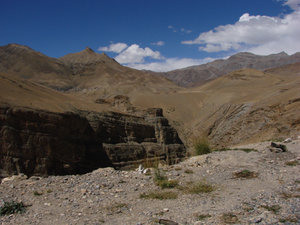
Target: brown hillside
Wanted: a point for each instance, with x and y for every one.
(200, 74)
(243, 106)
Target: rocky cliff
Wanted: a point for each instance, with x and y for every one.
(38, 142)
(130, 140)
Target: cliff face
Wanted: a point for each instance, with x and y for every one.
(130, 140)
(44, 143)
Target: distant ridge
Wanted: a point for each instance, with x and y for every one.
(87, 56)
(198, 75)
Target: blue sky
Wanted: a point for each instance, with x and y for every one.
(159, 35)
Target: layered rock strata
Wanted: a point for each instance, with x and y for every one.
(38, 142)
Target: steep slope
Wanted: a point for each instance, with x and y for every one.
(26, 63)
(24, 93)
(244, 106)
(82, 73)
(44, 131)
(99, 76)
(197, 75)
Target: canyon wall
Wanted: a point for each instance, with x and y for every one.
(38, 142)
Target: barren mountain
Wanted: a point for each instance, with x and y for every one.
(80, 72)
(26, 63)
(243, 106)
(110, 115)
(197, 75)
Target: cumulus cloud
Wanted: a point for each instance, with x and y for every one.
(159, 43)
(117, 47)
(258, 34)
(169, 64)
(136, 54)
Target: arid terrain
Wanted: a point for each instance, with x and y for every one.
(70, 116)
(108, 196)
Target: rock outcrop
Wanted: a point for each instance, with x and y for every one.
(131, 140)
(36, 142)
(43, 143)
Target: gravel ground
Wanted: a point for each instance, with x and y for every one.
(108, 196)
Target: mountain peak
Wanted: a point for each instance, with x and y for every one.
(89, 50)
(280, 54)
(87, 56)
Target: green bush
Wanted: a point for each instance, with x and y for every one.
(162, 181)
(201, 146)
(11, 208)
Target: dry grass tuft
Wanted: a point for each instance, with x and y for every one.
(163, 195)
(247, 174)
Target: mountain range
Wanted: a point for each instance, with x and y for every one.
(197, 75)
(242, 99)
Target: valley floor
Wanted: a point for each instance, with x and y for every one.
(106, 196)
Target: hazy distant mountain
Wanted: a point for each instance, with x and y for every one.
(197, 75)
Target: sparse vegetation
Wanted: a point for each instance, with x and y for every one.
(36, 193)
(277, 139)
(189, 171)
(229, 218)
(202, 216)
(162, 181)
(201, 146)
(198, 188)
(273, 208)
(292, 163)
(11, 208)
(159, 195)
(247, 174)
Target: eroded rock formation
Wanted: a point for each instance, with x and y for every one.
(38, 142)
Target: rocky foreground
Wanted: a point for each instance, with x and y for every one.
(246, 186)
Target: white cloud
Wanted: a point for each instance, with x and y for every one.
(293, 4)
(159, 43)
(117, 47)
(258, 34)
(170, 64)
(136, 54)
